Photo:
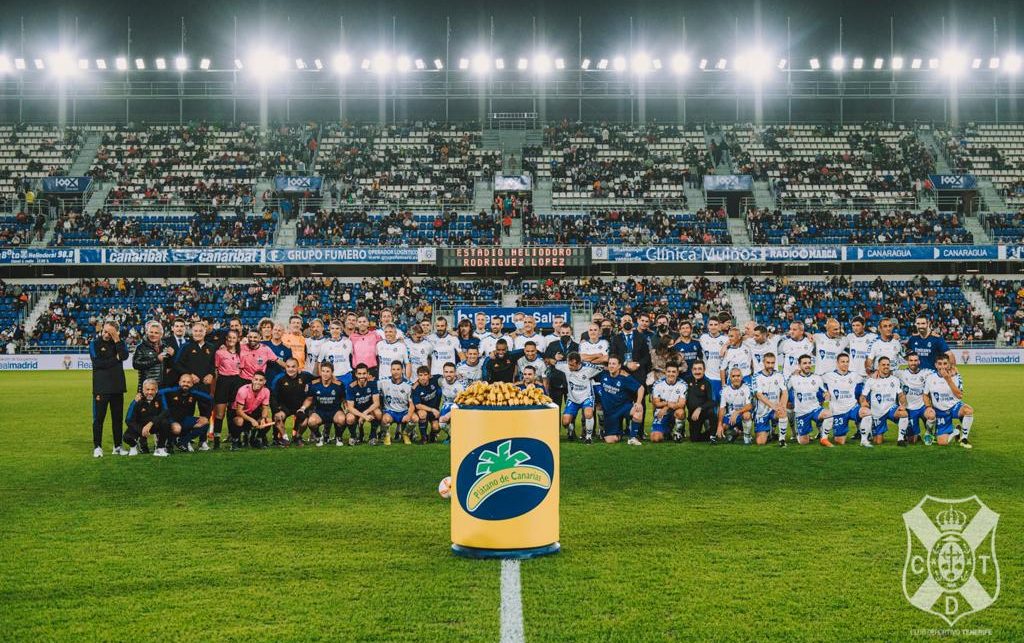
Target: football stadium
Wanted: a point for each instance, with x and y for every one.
(502, 322)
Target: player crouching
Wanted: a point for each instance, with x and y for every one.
(145, 417)
(252, 400)
(426, 397)
(734, 410)
(883, 396)
(326, 396)
(669, 398)
(808, 392)
(180, 404)
(944, 394)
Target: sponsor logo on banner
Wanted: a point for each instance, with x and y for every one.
(729, 182)
(351, 254)
(298, 183)
(720, 254)
(951, 568)
(545, 315)
(50, 362)
(1013, 356)
(37, 255)
(953, 181)
(66, 183)
(504, 479)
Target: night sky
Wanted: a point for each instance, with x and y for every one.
(311, 29)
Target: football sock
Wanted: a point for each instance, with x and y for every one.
(783, 425)
(902, 424)
(865, 429)
(965, 426)
(930, 425)
(747, 426)
(423, 431)
(634, 428)
(588, 424)
(825, 428)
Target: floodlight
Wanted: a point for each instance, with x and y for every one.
(619, 63)
(403, 64)
(300, 63)
(680, 63)
(879, 63)
(858, 63)
(656, 63)
(341, 63)
(83, 63)
(438, 64)
(602, 64)
(993, 63)
(754, 63)
(976, 63)
(140, 64)
(703, 63)
(838, 63)
(915, 63)
(897, 63)
(161, 64)
(5, 64)
(101, 64)
(815, 64)
(381, 63)
(641, 63)
(19, 63)
(121, 63)
(365, 65)
(463, 63)
(782, 63)
(933, 63)
(721, 64)
(542, 63)
(238, 63)
(1011, 63)
(559, 63)
(61, 64)
(481, 63)
(420, 64)
(265, 63)
(499, 63)
(180, 63)
(39, 63)
(955, 63)
(319, 64)
(204, 64)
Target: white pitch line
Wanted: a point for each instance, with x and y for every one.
(511, 603)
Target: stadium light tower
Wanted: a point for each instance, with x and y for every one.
(62, 64)
(481, 64)
(180, 63)
(382, 64)
(641, 63)
(815, 64)
(403, 64)
(542, 63)
(204, 64)
(341, 63)
(1011, 63)
(754, 63)
(680, 63)
(954, 63)
(897, 63)
(619, 63)
(838, 63)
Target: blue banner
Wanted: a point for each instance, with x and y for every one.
(201, 256)
(352, 254)
(66, 184)
(544, 315)
(728, 183)
(1015, 252)
(922, 253)
(38, 255)
(716, 254)
(297, 184)
(953, 181)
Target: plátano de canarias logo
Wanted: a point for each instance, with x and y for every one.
(505, 478)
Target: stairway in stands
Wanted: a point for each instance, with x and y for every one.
(515, 239)
(763, 196)
(86, 155)
(740, 307)
(40, 306)
(993, 200)
(284, 307)
(975, 227)
(976, 299)
(738, 231)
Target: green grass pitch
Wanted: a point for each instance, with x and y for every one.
(669, 541)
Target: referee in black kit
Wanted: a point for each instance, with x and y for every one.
(108, 352)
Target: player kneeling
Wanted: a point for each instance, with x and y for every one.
(180, 404)
(944, 394)
(734, 410)
(324, 402)
(426, 397)
(842, 390)
(808, 392)
(252, 413)
(145, 416)
(622, 398)
(398, 408)
(669, 398)
(578, 377)
(363, 405)
(769, 388)
(883, 396)
(451, 386)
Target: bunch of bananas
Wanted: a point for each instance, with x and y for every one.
(501, 394)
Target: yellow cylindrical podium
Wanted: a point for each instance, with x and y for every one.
(505, 481)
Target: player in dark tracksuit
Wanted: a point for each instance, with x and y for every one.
(108, 352)
(287, 394)
(180, 405)
(197, 358)
(145, 417)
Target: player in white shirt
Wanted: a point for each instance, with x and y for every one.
(944, 394)
(772, 396)
(913, 378)
(490, 340)
(579, 379)
(313, 342)
(883, 395)
(711, 344)
(419, 348)
(479, 325)
(760, 345)
(594, 351)
(471, 370)
(337, 350)
(887, 345)
(393, 349)
(860, 342)
(668, 396)
(444, 347)
(737, 355)
(792, 347)
(734, 411)
(530, 334)
(842, 391)
(396, 396)
(531, 357)
(807, 392)
(828, 346)
(386, 318)
(451, 386)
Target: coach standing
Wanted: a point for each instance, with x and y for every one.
(108, 353)
(634, 353)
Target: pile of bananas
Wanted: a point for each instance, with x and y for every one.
(500, 394)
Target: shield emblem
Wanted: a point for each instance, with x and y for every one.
(951, 568)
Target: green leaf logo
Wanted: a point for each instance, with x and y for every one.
(491, 461)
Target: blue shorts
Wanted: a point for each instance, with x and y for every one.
(727, 421)
(396, 416)
(916, 419)
(841, 423)
(346, 379)
(716, 389)
(665, 424)
(446, 409)
(572, 408)
(613, 422)
(326, 414)
(187, 424)
(764, 423)
(944, 419)
(804, 422)
(881, 425)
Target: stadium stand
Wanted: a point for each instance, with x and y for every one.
(70, 322)
(776, 303)
(1006, 298)
(20, 229)
(410, 301)
(850, 165)
(989, 151)
(14, 302)
(1005, 227)
(29, 152)
(628, 226)
(411, 166)
(603, 165)
(869, 226)
(204, 228)
(405, 228)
